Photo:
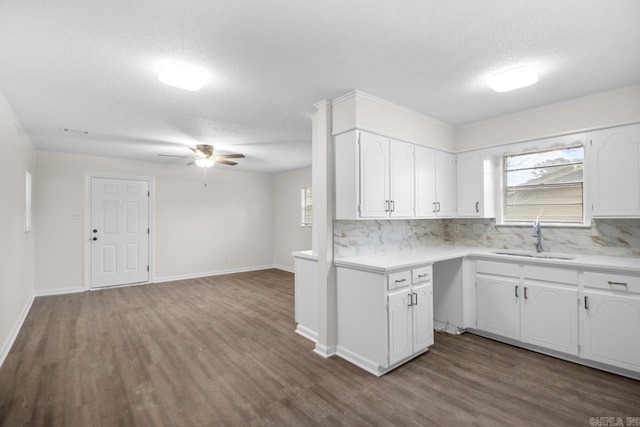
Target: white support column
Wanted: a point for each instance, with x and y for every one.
(322, 181)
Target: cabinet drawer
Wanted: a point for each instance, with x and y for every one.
(498, 268)
(551, 274)
(612, 281)
(422, 274)
(398, 280)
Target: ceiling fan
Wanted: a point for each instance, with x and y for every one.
(205, 157)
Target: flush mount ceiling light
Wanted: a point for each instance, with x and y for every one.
(181, 76)
(512, 79)
(205, 162)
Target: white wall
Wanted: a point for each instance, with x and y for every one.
(224, 227)
(16, 246)
(596, 111)
(288, 234)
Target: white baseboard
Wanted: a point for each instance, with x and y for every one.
(307, 333)
(162, 279)
(325, 351)
(61, 291)
(361, 362)
(6, 346)
(284, 268)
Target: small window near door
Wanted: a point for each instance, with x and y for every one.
(307, 207)
(545, 186)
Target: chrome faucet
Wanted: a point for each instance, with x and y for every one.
(537, 232)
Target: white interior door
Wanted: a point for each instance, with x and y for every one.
(119, 231)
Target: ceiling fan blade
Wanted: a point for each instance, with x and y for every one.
(229, 156)
(171, 155)
(225, 162)
(194, 150)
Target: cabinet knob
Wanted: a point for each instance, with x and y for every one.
(94, 239)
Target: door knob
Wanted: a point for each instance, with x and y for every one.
(95, 238)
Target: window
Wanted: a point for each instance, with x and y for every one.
(307, 206)
(544, 185)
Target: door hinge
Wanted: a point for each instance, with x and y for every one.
(592, 206)
(579, 348)
(148, 193)
(147, 268)
(148, 232)
(591, 142)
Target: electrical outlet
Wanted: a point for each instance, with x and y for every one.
(456, 228)
(478, 228)
(75, 214)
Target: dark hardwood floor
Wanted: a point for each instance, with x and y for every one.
(222, 351)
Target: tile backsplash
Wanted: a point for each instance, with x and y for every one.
(614, 237)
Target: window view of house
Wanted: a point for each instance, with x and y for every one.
(544, 185)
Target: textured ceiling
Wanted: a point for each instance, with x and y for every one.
(92, 66)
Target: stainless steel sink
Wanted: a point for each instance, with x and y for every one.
(543, 255)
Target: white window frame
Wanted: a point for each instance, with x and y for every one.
(303, 205)
(547, 144)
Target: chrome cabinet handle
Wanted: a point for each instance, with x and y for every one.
(616, 283)
(438, 203)
(433, 207)
(401, 280)
(525, 292)
(393, 205)
(415, 303)
(516, 288)
(420, 276)
(410, 300)
(586, 302)
(477, 206)
(386, 203)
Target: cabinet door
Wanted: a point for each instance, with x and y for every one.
(374, 176)
(612, 329)
(550, 317)
(425, 163)
(445, 184)
(498, 309)
(616, 172)
(401, 179)
(422, 317)
(400, 342)
(468, 184)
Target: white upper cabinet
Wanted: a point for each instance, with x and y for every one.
(435, 183)
(475, 185)
(401, 179)
(425, 160)
(374, 177)
(615, 172)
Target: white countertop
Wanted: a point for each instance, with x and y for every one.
(399, 260)
(310, 255)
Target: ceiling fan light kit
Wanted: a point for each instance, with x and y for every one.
(204, 162)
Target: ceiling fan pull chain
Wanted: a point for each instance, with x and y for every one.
(205, 177)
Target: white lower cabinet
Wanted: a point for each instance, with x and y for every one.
(384, 319)
(610, 320)
(410, 321)
(498, 308)
(595, 318)
(533, 304)
(550, 317)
